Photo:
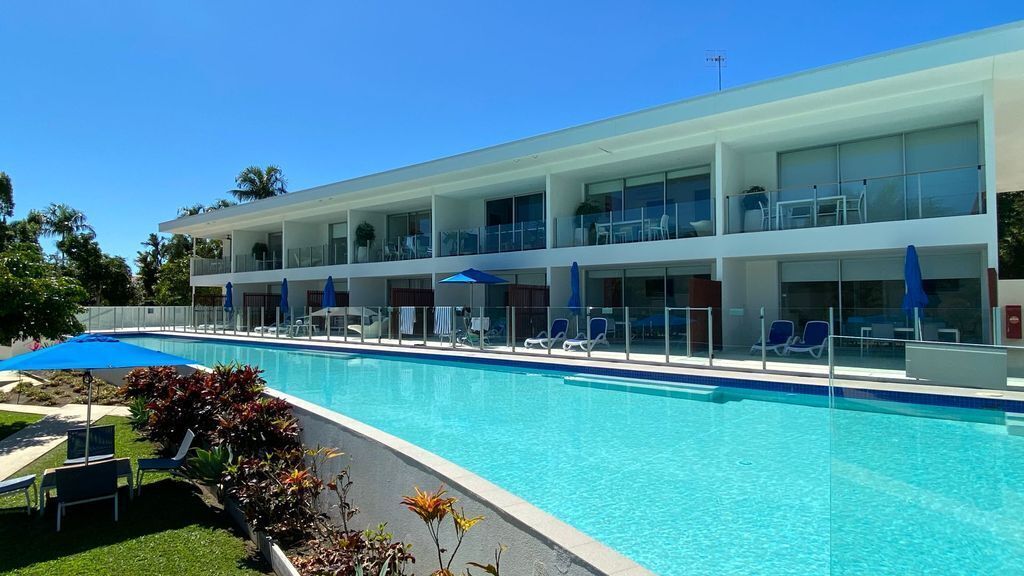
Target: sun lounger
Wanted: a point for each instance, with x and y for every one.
(549, 338)
(598, 335)
(813, 341)
(779, 335)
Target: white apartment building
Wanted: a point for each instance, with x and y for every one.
(797, 194)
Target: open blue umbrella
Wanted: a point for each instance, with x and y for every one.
(228, 300)
(914, 296)
(574, 287)
(91, 352)
(473, 276)
(284, 297)
(327, 300)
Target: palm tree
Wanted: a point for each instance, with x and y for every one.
(255, 183)
(63, 221)
(157, 247)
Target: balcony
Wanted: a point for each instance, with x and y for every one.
(320, 255)
(912, 196)
(410, 247)
(678, 220)
(207, 266)
(249, 263)
(492, 239)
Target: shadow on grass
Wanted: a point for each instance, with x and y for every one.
(165, 505)
(11, 427)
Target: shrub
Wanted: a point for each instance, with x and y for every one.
(139, 412)
(371, 552)
(257, 427)
(275, 492)
(209, 466)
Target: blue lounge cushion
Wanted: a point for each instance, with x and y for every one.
(19, 483)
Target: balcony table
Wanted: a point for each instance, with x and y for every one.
(839, 200)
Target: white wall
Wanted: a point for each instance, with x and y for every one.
(303, 235)
(367, 291)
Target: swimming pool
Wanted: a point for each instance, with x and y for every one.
(752, 483)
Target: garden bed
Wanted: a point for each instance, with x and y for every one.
(57, 388)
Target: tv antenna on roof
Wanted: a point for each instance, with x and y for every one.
(716, 59)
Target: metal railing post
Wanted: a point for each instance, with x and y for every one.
(424, 325)
(399, 325)
(512, 327)
(628, 331)
(764, 343)
(481, 326)
(689, 334)
(548, 327)
(88, 322)
(277, 323)
(667, 344)
(917, 324)
(831, 335)
(380, 329)
(451, 334)
(711, 337)
(327, 324)
(589, 343)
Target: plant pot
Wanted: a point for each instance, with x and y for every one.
(362, 254)
(752, 221)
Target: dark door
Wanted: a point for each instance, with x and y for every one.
(418, 297)
(531, 304)
(705, 293)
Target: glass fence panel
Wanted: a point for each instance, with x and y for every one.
(934, 194)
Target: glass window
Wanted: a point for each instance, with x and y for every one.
(604, 288)
(647, 192)
(530, 208)
(337, 249)
(607, 195)
(274, 244)
(944, 178)
(500, 211)
(688, 203)
(801, 170)
(942, 148)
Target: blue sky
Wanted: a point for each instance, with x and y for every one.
(130, 110)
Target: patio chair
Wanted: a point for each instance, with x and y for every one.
(82, 483)
(598, 335)
(22, 483)
(779, 335)
(813, 341)
(548, 338)
(164, 464)
(659, 231)
(101, 444)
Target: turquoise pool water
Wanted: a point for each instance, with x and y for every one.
(751, 485)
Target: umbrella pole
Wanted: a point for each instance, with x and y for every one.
(87, 379)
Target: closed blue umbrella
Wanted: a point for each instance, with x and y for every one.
(574, 286)
(914, 296)
(228, 300)
(284, 297)
(91, 352)
(328, 301)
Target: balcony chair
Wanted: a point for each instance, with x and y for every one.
(858, 207)
(660, 230)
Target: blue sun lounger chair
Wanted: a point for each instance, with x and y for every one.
(779, 335)
(813, 341)
(548, 338)
(598, 335)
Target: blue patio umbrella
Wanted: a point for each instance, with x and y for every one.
(91, 352)
(473, 276)
(328, 301)
(574, 287)
(228, 300)
(284, 297)
(914, 296)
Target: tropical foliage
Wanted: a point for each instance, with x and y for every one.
(38, 301)
(433, 508)
(255, 183)
(1011, 234)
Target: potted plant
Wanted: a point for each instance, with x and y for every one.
(751, 201)
(259, 251)
(365, 235)
(586, 208)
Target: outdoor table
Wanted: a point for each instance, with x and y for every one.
(49, 480)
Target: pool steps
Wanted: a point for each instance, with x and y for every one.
(698, 392)
(1015, 423)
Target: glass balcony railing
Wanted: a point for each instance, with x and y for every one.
(411, 247)
(935, 194)
(679, 220)
(249, 263)
(322, 255)
(206, 266)
(491, 239)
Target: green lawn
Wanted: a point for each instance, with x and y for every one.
(11, 422)
(167, 530)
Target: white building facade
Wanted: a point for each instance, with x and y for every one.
(798, 195)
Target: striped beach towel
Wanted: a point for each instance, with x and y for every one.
(443, 320)
(406, 319)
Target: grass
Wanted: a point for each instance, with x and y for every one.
(11, 422)
(168, 529)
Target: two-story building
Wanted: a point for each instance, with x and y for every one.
(797, 194)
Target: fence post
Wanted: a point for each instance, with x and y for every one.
(665, 328)
(512, 326)
(764, 344)
(380, 318)
(831, 336)
(327, 324)
(277, 321)
(548, 327)
(399, 325)
(309, 323)
(481, 326)
(424, 326)
(589, 343)
(689, 341)
(711, 337)
(629, 332)
(917, 324)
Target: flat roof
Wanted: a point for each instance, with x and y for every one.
(989, 42)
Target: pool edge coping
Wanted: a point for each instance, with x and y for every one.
(518, 511)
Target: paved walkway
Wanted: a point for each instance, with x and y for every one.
(28, 444)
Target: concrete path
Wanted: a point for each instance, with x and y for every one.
(25, 446)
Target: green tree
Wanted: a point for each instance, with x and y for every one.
(172, 286)
(6, 197)
(1010, 211)
(38, 301)
(106, 279)
(63, 221)
(149, 262)
(255, 183)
